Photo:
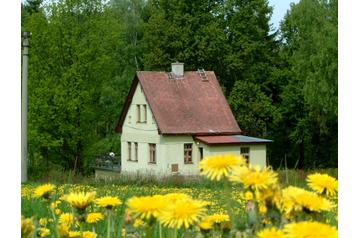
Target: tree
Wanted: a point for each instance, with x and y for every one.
(309, 107)
(74, 59)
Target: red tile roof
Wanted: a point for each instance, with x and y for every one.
(231, 139)
(189, 105)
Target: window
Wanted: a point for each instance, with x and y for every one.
(188, 159)
(138, 114)
(129, 151)
(245, 151)
(201, 153)
(152, 154)
(144, 113)
(135, 151)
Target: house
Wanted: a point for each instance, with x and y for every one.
(170, 121)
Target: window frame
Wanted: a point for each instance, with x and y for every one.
(138, 113)
(152, 153)
(129, 150)
(136, 151)
(245, 154)
(144, 113)
(188, 153)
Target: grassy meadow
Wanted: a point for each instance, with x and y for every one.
(273, 204)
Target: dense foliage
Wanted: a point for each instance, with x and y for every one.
(280, 85)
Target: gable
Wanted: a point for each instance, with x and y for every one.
(188, 105)
(138, 117)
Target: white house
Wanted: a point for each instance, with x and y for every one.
(170, 121)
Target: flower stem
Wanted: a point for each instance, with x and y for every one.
(109, 226)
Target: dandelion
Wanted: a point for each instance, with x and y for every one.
(310, 229)
(44, 191)
(270, 233)
(295, 199)
(218, 218)
(27, 227)
(89, 234)
(80, 200)
(55, 204)
(66, 219)
(183, 213)
(43, 232)
(108, 202)
(43, 221)
(74, 234)
(217, 166)
(94, 217)
(254, 177)
(323, 184)
(146, 206)
(138, 222)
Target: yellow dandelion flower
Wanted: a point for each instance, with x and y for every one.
(206, 224)
(73, 234)
(94, 217)
(66, 219)
(248, 196)
(55, 204)
(174, 197)
(146, 206)
(89, 234)
(43, 221)
(310, 229)
(218, 218)
(43, 191)
(270, 233)
(323, 184)
(80, 200)
(296, 199)
(262, 208)
(43, 232)
(254, 177)
(183, 213)
(138, 222)
(217, 166)
(63, 230)
(108, 202)
(27, 227)
(58, 211)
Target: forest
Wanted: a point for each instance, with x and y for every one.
(281, 84)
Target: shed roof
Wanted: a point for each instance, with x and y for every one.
(187, 105)
(231, 139)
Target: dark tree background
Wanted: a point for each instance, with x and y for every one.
(84, 53)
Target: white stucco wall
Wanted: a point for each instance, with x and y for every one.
(169, 149)
(257, 152)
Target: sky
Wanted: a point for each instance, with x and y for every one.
(280, 8)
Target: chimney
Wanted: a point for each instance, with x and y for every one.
(178, 69)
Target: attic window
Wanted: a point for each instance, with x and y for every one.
(138, 114)
(145, 113)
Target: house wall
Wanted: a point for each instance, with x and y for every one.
(143, 134)
(257, 152)
(169, 149)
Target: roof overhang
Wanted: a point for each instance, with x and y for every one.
(231, 140)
